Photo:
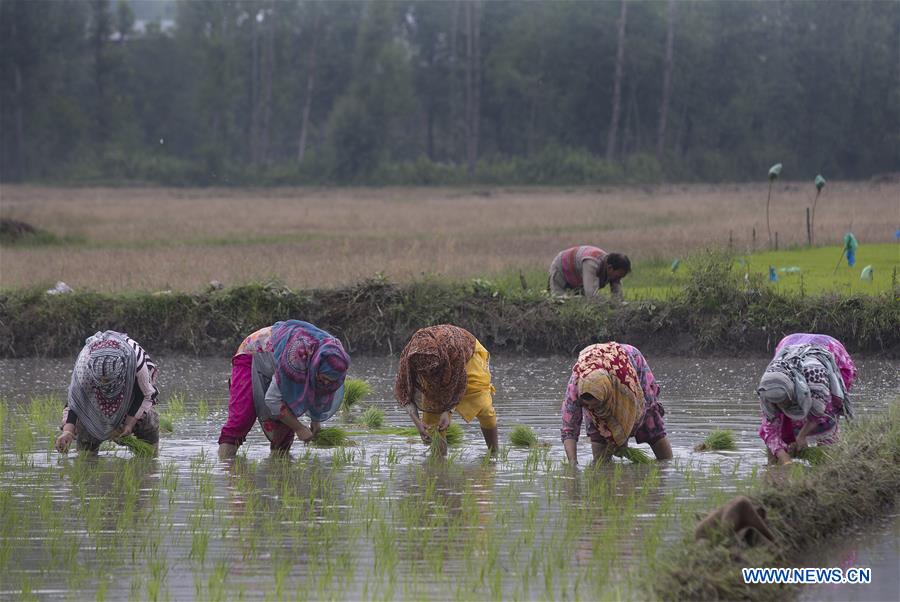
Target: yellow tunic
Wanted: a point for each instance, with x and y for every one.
(478, 401)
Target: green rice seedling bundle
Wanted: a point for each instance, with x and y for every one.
(718, 440)
(166, 424)
(523, 436)
(355, 390)
(331, 436)
(633, 454)
(453, 434)
(137, 446)
(373, 417)
(813, 455)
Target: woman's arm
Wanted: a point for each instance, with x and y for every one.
(301, 430)
(571, 421)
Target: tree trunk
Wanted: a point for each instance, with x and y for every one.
(617, 85)
(667, 82)
(473, 81)
(310, 87)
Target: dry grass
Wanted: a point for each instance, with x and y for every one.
(159, 238)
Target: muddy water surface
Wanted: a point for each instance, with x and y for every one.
(378, 520)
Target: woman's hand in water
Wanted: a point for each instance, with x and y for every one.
(444, 422)
(64, 441)
(783, 457)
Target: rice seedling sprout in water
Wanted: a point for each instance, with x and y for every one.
(166, 424)
(523, 436)
(718, 440)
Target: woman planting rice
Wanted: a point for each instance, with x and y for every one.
(278, 374)
(445, 369)
(612, 386)
(111, 395)
(803, 392)
(588, 269)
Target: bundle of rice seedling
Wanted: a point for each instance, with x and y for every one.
(523, 436)
(331, 436)
(813, 455)
(355, 390)
(634, 454)
(719, 439)
(453, 434)
(373, 417)
(137, 446)
(166, 423)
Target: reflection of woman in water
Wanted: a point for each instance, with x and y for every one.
(278, 374)
(803, 392)
(612, 386)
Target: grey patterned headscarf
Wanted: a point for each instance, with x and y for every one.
(102, 382)
(784, 387)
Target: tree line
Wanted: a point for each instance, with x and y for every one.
(448, 91)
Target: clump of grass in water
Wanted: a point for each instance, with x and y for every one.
(633, 454)
(454, 434)
(523, 436)
(718, 440)
(166, 423)
(373, 417)
(331, 436)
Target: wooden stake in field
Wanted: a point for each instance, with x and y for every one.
(820, 184)
(774, 172)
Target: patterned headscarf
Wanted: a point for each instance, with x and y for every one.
(784, 387)
(434, 362)
(310, 369)
(605, 372)
(102, 383)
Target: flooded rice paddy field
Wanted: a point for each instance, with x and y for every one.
(380, 519)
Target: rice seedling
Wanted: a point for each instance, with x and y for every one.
(202, 409)
(175, 407)
(523, 436)
(718, 440)
(454, 434)
(331, 436)
(137, 446)
(814, 455)
(633, 454)
(355, 390)
(373, 417)
(166, 423)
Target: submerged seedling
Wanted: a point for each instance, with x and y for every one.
(718, 440)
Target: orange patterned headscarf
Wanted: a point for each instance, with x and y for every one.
(434, 362)
(605, 372)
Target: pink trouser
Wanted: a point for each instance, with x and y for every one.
(242, 413)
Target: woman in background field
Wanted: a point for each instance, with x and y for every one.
(587, 269)
(613, 388)
(278, 374)
(112, 393)
(803, 392)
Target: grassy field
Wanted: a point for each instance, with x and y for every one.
(150, 239)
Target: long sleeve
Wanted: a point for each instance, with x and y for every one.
(590, 277)
(770, 432)
(144, 379)
(571, 412)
